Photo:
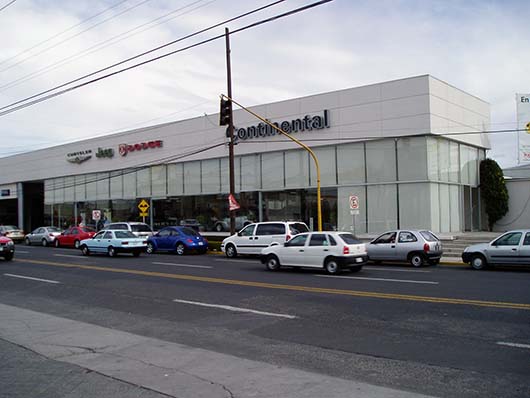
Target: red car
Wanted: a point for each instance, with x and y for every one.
(73, 235)
(7, 248)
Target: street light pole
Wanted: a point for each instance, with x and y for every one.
(230, 131)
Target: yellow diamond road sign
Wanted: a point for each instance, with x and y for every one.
(143, 206)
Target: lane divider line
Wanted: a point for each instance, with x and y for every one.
(183, 265)
(21, 251)
(517, 345)
(376, 268)
(356, 293)
(72, 256)
(235, 309)
(377, 279)
(31, 278)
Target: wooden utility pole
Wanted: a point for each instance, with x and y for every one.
(230, 131)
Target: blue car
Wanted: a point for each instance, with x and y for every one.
(113, 242)
(177, 239)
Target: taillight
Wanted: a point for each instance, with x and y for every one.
(125, 243)
(287, 237)
(345, 250)
(51, 235)
(144, 242)
(189, 240)
(426, 247)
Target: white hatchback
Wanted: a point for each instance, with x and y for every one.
(331, 251)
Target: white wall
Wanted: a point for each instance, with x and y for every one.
(518, 215)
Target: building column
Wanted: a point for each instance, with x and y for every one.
(20, 202)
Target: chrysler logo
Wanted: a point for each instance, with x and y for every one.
(79, 157)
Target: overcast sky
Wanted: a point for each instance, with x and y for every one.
(481, 47)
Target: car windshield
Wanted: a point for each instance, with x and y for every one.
(298, 228)
(124, 234)
(140, 228)
(10, 227)
(88, 229)
(429, 236)
(350, 239)
(189, 231)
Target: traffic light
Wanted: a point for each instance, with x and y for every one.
(225, 115)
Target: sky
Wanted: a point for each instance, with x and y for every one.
(481, 47)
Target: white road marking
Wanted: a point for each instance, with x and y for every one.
(373, 268)
(235, 309)
(183, 265)
(21, 251)
(71, 255)
(378, 279)
(33, 279)
(237, 261)
(517, 345)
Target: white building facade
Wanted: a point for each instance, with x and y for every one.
(409, 150)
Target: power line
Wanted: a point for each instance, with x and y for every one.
(7, 5)
(258, 23)
(62, 32)
(99, 46)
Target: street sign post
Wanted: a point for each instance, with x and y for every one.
(96, 215)
(354, 208)
(143, 206)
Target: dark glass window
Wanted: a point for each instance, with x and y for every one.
(510, 239)
(270, 229)
(298, 240)
(349, 239)
(429, 236)
(406, 237)
(318, 240)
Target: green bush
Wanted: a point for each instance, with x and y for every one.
(493, 191)
(214, 245)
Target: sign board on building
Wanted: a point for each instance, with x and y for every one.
(523, 127)
(96, 215)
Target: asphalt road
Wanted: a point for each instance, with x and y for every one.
(442, 331)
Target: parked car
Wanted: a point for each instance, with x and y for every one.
(415, 246)
(224, 224)
(140, 229)
(7, 248)
(43, 235)
(255, 237)
(512, 247)
(12, 232)
(73, 236)
(191, 223)
(113, 242)
(331, 251)
(177, 239)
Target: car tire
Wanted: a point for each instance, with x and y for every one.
(111, 251)
(356, 268)
(331, 266)
(219, 227)
(272, 263)
(76, 244)
(478, 262)
(27, 242)
(416, 260)
(57, 243)
(44, 243)
(85, 250)
(150, 248)
(230, 251)
(8, 256)
(180, 249)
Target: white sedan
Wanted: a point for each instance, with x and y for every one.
(331, 251)
(113, 242)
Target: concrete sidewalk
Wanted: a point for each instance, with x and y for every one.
(170, 368)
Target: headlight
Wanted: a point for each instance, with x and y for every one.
(10, 243)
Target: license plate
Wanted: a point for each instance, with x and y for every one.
(200, 243)
(358, 260)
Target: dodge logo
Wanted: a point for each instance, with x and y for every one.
(124, 149)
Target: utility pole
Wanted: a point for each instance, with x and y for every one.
(230, 130)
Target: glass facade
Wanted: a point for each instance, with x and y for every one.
(408, 182)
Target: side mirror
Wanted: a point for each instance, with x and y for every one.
(286, 244)
(239, 234)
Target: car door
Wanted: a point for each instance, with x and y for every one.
(163, 239)
(267, 233)
(293, 251)
(36, 235)
(316, 250)
(98, 243)
(505, 249)
(524, 251)
(244, 239)
(407, 242)
(383, 247)
(68, 237)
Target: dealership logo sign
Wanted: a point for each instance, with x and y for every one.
(79, 156)
(124, 149)
(105, 153)
(307, 123)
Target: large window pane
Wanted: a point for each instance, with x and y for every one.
(175, 178)
(464, 164)
(381, 161)
(412, 158)
(49, 193)
(454, 204)
(80, 188)
(91, 186)
(103, 186)
(433, 165)
(454, 162)
(415, 206)
(225, 175)
(143, 183)
(296, 169)
(211, 178)
(250, 172)
(158, 181)
(347, 221)
(129, 185)
(435, 207)
(350, 159)
(443, 158)
(69, 189)
(58, 186)
(328, 167)
(116, 185)
(382, 207)
(272, 170)
(445, 222)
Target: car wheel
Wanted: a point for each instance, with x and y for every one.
(85, 251)
(150, 248)
(44, 242)
(76, 244)
(180, 249)
(272, 263)
(230, 251)
(416, 260)
(356, 268)
(8, 256)
(332, 266)
(478, 261)
(27, 241)
(219, 227)
(57, 244)
(111, 251)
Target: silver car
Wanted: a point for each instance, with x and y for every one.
(418, 247)
(512, 247)
(42, 236)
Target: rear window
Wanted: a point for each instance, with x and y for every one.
(298, 228)
(117, 226)
(10, 227)
(124, 234)
(270, 229)
(349, 239)
(189, 231)
(53, 229)
(140, 228)
(429, 236)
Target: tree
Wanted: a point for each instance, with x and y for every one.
(493, 190)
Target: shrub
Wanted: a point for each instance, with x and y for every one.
(493, 191)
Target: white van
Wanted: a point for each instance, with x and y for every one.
(255, 237)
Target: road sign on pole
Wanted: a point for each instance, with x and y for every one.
(354, 202)
(96, 215)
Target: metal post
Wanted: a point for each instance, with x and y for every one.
(20, 203)
(230, 130)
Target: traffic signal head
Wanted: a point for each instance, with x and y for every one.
(225, 115)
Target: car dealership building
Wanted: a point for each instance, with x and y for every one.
(400, 147)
